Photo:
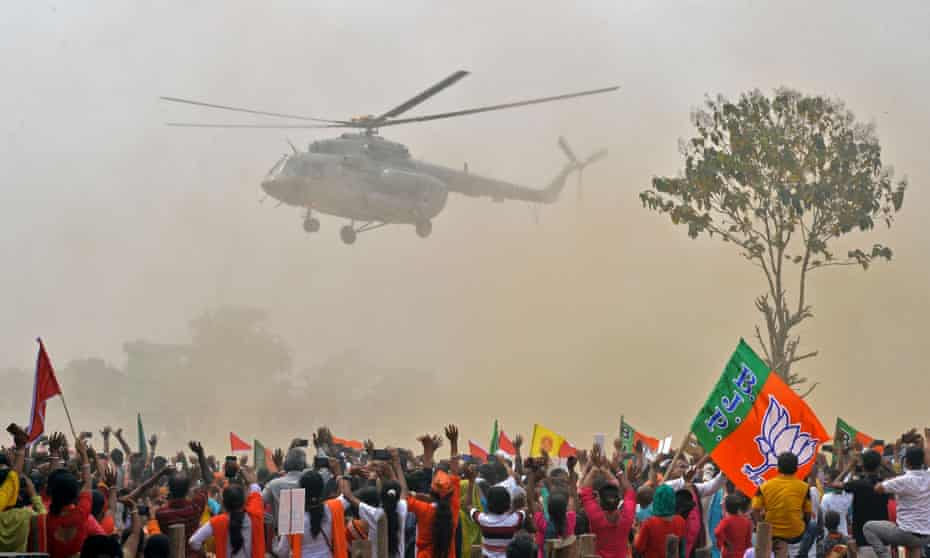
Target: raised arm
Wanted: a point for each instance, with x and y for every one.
(145, 486)
(127, 451)
(88, 479)
(518, 458)
(401, 478)
(197, 448)
(430, 445)
(19, 443)
(452, 434)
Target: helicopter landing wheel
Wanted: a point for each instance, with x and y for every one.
(347, 234)
(424, 228)
(312, 225)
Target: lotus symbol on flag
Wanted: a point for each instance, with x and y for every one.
(778, 436)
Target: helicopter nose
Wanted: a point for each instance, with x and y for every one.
(275, 188)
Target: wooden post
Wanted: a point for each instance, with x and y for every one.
(913, 552)
(671, 546)
(361, 549)
(702, 552)
(588, 545)
(383, 536)
(178, 548)
(763, 540)
(549, 548)
(476, 551)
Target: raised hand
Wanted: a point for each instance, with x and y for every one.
(518, 442)
(369, 447)
(109, 476)
(428, 443)
(244, 460)
(58, 444)
(118, 433)
(248, 474)
(571, 463)
(278, 458)
(81, 451)
(19, 435)
(452, 433)
(582, 457)
(196, 447)
(106, 432)
(153, 441)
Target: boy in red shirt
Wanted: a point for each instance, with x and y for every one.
(734, 533)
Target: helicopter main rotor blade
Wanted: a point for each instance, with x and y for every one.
(251, 111)
(495, 107)
(567, 150)
(258, 126)
(407, 105)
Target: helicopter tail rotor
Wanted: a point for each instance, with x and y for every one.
(579, 164)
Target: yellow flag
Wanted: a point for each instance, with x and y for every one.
(545, 439)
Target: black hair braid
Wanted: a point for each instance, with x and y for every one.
(390, 494)
(442, 528)
(236, 518)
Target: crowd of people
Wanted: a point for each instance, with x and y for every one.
(67, 501)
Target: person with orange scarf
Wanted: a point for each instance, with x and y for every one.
(325, 534)
(240, 532)
(437, 519)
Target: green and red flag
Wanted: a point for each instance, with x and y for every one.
(846, 435)
(263, 458)
(630, 436)
(495, 440)
(751, 417)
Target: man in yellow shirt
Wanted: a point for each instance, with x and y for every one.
(785, 503)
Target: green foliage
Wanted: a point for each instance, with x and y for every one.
(781, 178)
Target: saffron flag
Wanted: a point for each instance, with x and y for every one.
(505, 445)
(752, 417)
(351, 444)
(630, 437)
(545, 440)
(45, 387)
(477, 451)
(237, 444)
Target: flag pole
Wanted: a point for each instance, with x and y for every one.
(68, 414)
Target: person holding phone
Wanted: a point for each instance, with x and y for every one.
(240, 532)
(185, 507)
(295, 463)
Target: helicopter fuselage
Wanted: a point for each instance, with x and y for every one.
(357, 188)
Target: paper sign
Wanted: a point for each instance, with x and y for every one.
(599, 440)
(665, 445)
(291, 511)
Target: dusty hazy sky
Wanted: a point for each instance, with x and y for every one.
(116, 227)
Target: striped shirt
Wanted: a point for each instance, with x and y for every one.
(497, 530)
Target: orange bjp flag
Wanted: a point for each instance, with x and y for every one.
(752, 417)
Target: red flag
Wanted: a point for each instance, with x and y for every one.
(46, 387)
(567, 449)
(477, 451)
(237, 444)
(505, 445)
(351, 444)
(269, 461)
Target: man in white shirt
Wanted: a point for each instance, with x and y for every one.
(838, 501)
(912, 492)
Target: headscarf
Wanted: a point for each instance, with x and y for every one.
(663, 502)
(442, 484)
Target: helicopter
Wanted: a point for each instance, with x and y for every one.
(374, 182)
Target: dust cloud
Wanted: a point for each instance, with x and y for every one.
(118, 228)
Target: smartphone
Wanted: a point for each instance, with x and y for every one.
(302, 443)
(143, 509)
(231, 467)
(381, 455)
(321, 463)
